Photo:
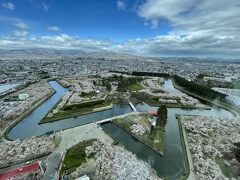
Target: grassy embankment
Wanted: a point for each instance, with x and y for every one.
(185, 152)
(88, 95)
(75, 157)
(135, 87)
(76, 110)
(155, 139)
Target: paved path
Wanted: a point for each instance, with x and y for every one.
(75, 135)
(54, 161)
(69, 138)
(120, 116)
(189, 156)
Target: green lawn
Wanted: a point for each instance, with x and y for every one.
(88, 95)
(75, 157)
(76, 111)
(135, 87)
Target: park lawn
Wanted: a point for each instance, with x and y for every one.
(75, 157)
(88, 95)
(135, 87)
(157, 138)
(144, 97)
(154, 140)
(74, 112)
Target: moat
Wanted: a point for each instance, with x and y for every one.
(170, 165)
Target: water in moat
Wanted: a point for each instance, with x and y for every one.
(170, 165)
(29, 126)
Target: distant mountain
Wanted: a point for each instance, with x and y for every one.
(54, 53)
(41, 53)
(37, 52)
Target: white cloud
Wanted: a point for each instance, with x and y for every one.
(194, 44)
(62, 41)
(20, 33)
(45, 6)
(54, 28)
(21, 25)
(8, 5)
(193, 15)
(199, 27)
(121, 4)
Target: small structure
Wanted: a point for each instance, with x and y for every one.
(23, 96)
(154, 121)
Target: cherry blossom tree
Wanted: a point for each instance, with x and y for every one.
(114, 162)
(138, 129)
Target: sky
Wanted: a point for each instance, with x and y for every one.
(201, 28)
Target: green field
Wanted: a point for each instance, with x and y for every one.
(88, 95)
(75, 111)
(75, 157)
(135, 87)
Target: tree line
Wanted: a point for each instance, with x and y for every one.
(154, 74)
(198, 89)
(123, 82)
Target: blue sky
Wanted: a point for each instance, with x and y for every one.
(85, 18)
(144, 27)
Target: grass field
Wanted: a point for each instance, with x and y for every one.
(75, 157)
(74, 112)
(88, 95)
(135, 87)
